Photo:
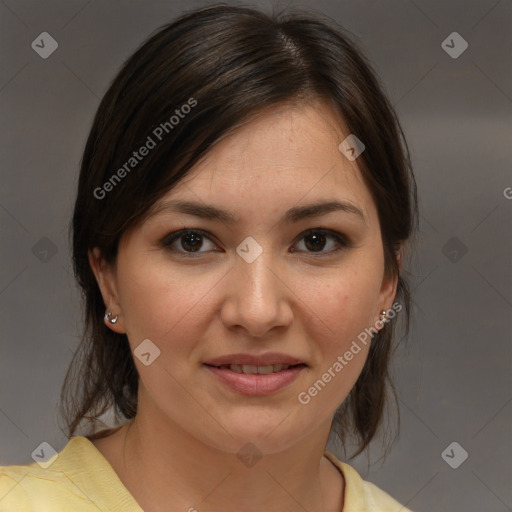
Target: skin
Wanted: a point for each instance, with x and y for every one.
(295, 299)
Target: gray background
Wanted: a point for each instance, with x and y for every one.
(453, 376)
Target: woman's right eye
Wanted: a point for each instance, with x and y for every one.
(190, 241)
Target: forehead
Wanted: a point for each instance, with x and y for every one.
(280, 158)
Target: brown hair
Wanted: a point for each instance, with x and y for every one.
(230, 63)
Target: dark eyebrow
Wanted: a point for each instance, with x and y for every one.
(295, 214)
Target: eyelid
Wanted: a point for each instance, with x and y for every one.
(342, 240)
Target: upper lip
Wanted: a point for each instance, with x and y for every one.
(269, 358)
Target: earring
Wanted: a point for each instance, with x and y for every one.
(383, 315)
(111, 320)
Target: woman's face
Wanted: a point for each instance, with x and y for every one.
(281, 277)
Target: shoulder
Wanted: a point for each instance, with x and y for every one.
(30, 488)
(12, 495)
(362, 495)
(76, 479)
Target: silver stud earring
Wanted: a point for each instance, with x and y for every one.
(108, 318)
(383, 315)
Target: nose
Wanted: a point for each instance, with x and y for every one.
(257, 298)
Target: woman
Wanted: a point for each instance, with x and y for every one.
(243, 208)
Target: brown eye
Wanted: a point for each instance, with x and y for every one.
(316, 240)
(185, 241)
(191, 241)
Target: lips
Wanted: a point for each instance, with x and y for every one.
(261, 360)
(256, 369)
(256, 375)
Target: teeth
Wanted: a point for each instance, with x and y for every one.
(251, 369)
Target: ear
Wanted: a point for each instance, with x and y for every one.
(389, 285)
(399, 256)
(107, 281)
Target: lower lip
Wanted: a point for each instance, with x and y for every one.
(256, 384)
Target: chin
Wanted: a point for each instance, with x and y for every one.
(258, 437)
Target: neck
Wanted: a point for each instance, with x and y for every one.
(165, 468)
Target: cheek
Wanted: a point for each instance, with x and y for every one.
(148, 297)
(344, 310)
(163, 303)
(346, 305)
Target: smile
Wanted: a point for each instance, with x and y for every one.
(255, 380)
(252, 369)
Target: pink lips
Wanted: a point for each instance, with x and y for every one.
(252, 359)
(255, 384)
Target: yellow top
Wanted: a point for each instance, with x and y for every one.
(80, 479)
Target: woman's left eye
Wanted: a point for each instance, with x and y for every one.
(314, 240)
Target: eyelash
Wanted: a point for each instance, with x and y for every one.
(343, 242)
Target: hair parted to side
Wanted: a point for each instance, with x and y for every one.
(234, 62)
